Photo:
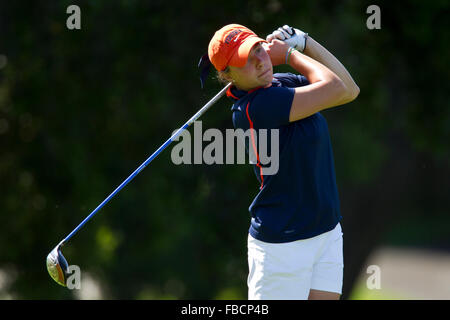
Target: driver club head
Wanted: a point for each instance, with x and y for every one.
(204, 65)
(57, 266)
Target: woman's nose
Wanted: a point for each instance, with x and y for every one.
(259, 62)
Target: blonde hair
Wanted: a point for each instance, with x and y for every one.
(221, 75)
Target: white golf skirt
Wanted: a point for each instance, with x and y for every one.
(287, 271)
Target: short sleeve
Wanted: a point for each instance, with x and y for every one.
(291, 80)
(270, 108)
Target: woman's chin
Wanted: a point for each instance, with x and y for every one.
(268, 80)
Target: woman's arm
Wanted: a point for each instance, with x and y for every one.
(316, 51)
(325, 90)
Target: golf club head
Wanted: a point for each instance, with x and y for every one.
(57, 266)
(204, 65)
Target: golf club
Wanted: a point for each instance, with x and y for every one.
(57, 265)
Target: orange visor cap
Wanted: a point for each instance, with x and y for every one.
(231, 45)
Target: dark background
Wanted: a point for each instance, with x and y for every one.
(81, 109)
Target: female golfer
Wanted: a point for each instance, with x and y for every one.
(295, 238)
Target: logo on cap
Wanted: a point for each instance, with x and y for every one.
(232, 35)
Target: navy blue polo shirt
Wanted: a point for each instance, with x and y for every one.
(300, 200)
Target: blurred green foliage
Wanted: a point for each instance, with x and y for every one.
(81, 109)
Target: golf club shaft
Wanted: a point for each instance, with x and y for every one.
(146, 162)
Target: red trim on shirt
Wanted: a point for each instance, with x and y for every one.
(229, 94)
(258, 163)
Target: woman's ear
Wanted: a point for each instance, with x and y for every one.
(225, 76)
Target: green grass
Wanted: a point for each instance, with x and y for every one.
(230, 293)
(361, 292)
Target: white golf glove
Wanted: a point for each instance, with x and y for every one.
(293, 37)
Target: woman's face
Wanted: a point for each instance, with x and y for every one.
(258, 71)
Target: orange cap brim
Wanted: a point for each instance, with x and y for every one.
(239, 58)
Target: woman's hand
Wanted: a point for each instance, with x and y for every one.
(277, 51)
(293, 37)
